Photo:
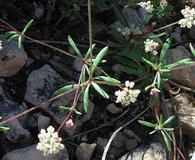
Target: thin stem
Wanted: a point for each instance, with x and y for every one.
(90, 30)
(169, 25)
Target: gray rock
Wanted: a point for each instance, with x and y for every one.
(102, 141)
(130, 143)
(39, 11)
(7, 106)
(43, 122)
(191, 33)
(185, 75)
(178, 30)
(17, 133)
(77, 65)
(84, 151)
(112, 108)
(176, 36)
(41, 84)
(12, 59)
(31, 153)
(131, 16)
(154, 151)
(118, 141)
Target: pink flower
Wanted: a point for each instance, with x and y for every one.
(69, 124)
(154, 91)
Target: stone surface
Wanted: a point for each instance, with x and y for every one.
(186, 112)
(84, 151)
(191, 33)
(131, 16)
(17, 133)
(186, 75)
(31, 153)
(102, 141)
(77, 65)
(112, 108)
(176, 36)
(41, 84)
(12, 59)
(43, 122)
(154, 151)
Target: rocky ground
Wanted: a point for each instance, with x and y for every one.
(30, 76)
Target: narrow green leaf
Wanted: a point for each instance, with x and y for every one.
(99, 58)
(167, 141)
(8, 34)
(87, 55)
(86, 99)
(63, 89)
(100, 90)
(27, 26)
(20, 42)
(157, 36)
(4, 129)
(158, 80)
(73, 45)
(182, 62)
(108, 79)
(164, 50)
(12, 37)
(148, 124)
(131, 71)
(192, 49)
(168, 120)
(154, 131)
(148, 62)
(168, 129)
(164, 70)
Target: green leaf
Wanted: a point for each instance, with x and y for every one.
(131, 71)
(157, 36)
(99, 58)
(20, 42)
(64, 89)
(167, 141)
(87, 55)
(182, 62)
(168, 120)
(148, 62)
(168, 129)
(7, 35)
(12, 37)
(148, 87)
(158, 80)
(86, 99)
(108, 79)
(192, 49)
(164, 50)
(4, 129)
(73, 45)
(153, 132)
(27, 26)
(100, 90)
(164, 70)
(148, 124)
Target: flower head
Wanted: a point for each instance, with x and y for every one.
(150, 46)
(189, 17)
(49, 142)
(69, 124)
(127, 95)
(147, 6)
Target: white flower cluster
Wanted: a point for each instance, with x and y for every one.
(127, 95)
(149, 8)
(150, 46)
(1, 45)
(189, 17)
(49, 142)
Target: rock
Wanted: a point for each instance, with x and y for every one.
(7, 106)
(17, 133)
(41, 84)
(77, 65)
(131, 16)
(130, 143)
(191, 33)
(142, 13)
(154, 151)
(131, 135)
(118, 141)
(39, 11)
(12, 59)
(176, 36)
(178, 30)
(186, 75)
(31, 153)
(112, 108)
(186, 112)
(31, 121)
(43, 122)
(84, 151)
(102, 141)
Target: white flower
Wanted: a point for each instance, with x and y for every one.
(1, 45)
(188, 20)
(147, 6)
(150, 46)
(49, 142)
(127, 95)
